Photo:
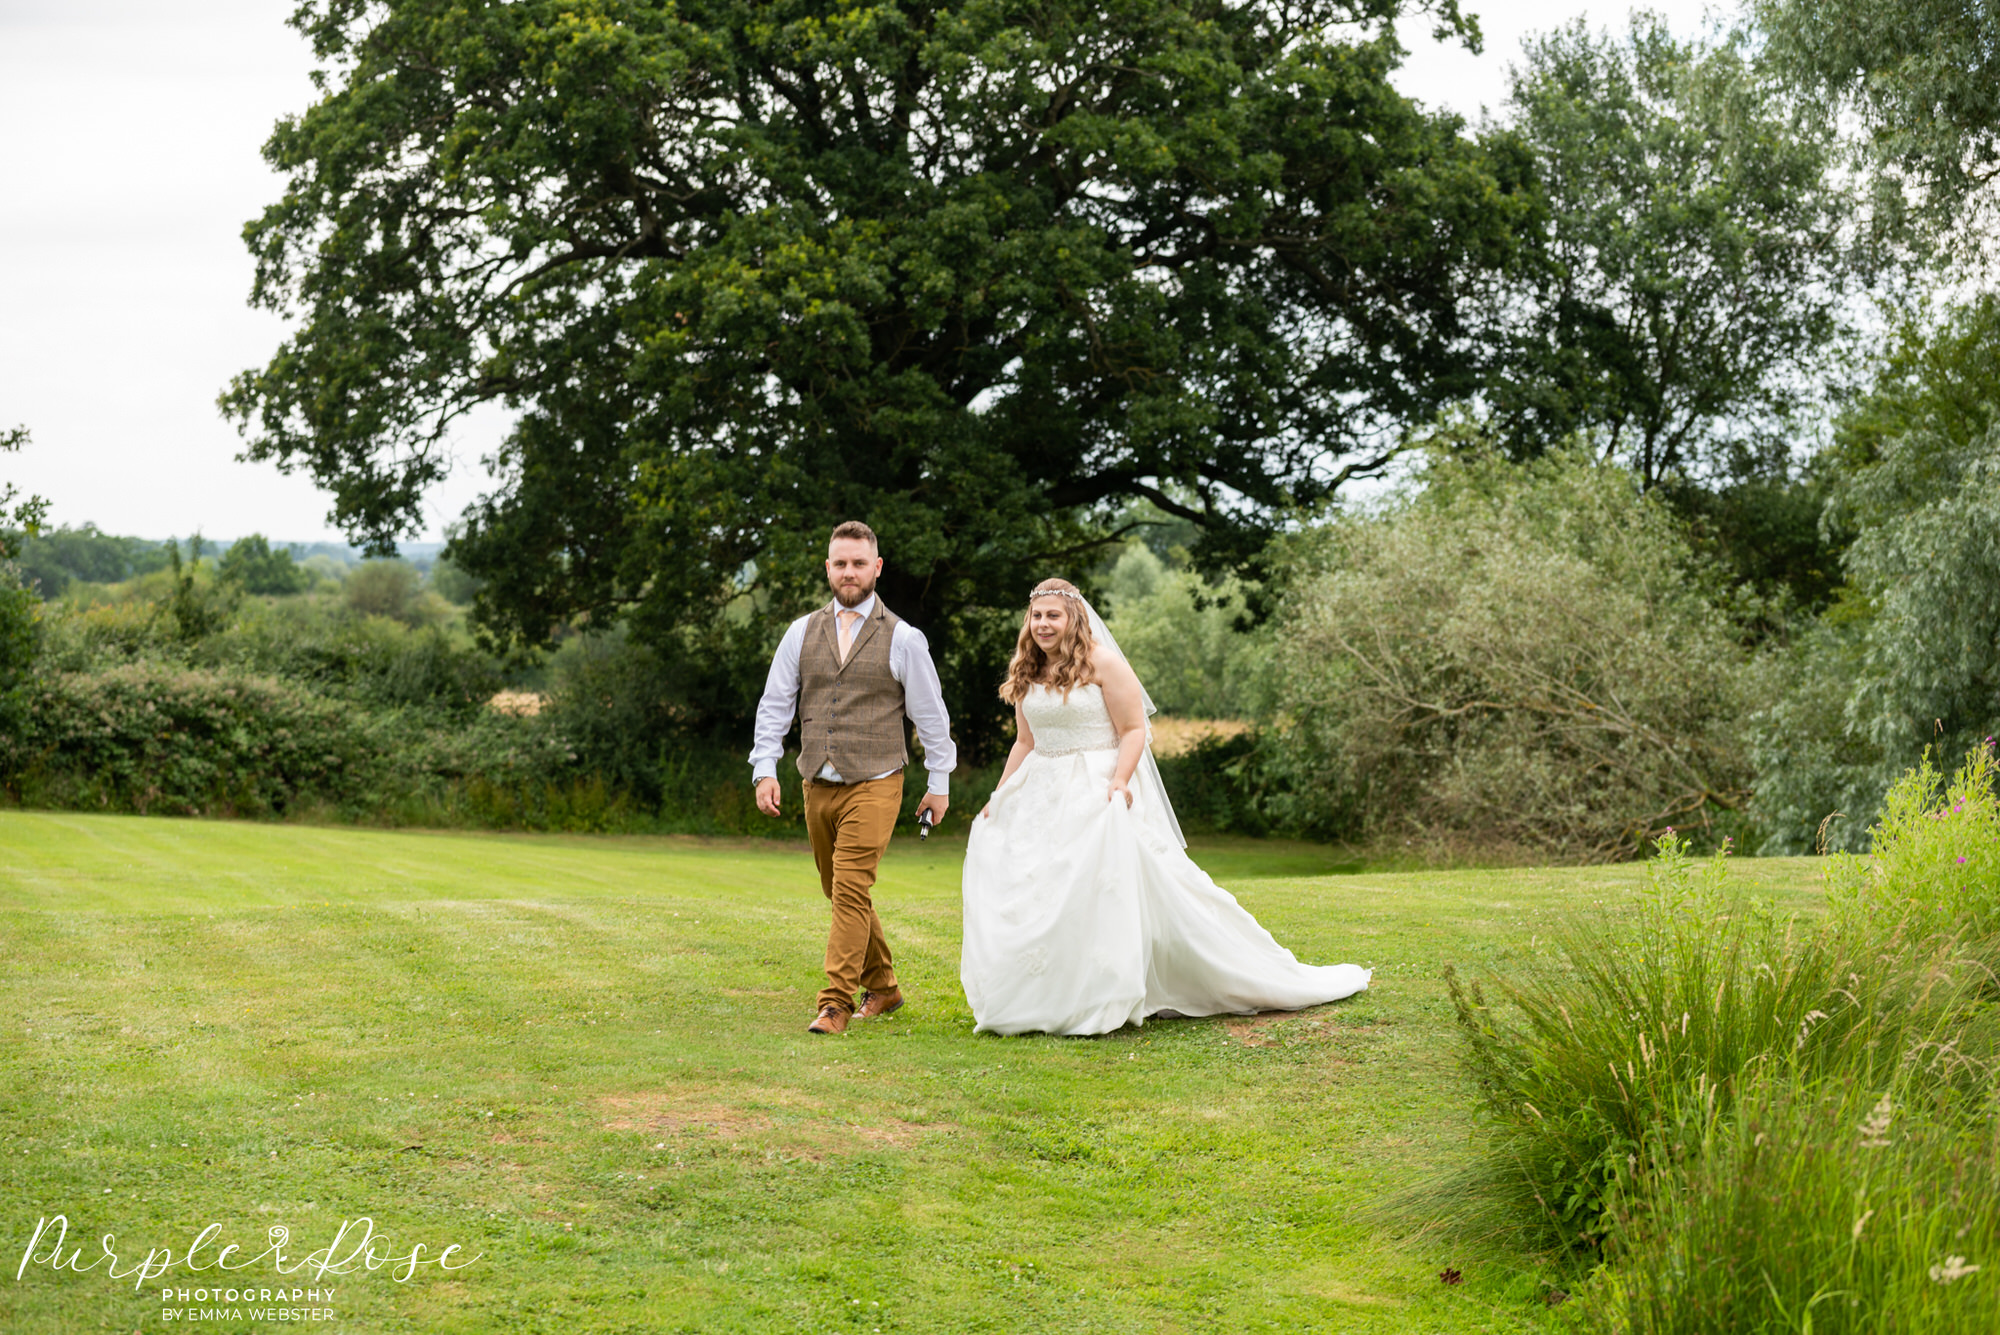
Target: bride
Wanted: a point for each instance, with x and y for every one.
(1083, 911)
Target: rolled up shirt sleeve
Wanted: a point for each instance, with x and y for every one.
(779, 705)
(923, 700)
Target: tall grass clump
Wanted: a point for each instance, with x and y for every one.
(1828, 1206)
(1748, 1122)
(1599, 1063)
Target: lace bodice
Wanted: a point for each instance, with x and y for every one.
(1063, 728)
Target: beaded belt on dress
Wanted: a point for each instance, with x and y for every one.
(1041, 750)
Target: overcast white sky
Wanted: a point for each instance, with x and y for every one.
(129, 136)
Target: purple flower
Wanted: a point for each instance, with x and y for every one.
(1961, 860)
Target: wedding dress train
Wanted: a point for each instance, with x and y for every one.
(1082, 915)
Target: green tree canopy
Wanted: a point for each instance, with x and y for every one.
(976, 272)
(252, 563)
(1921, 78)
(1692, 266)
(20, 516)
(1908, 656)
(1940, 374)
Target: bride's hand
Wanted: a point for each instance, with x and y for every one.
(1117, 787)
(986, 810)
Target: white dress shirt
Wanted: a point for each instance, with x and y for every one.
(909, 663)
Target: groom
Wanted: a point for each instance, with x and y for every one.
(852, 671)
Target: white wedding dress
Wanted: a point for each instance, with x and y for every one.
(1082, 915)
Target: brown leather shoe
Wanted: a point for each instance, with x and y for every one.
(876, 1004)
(832, 1020)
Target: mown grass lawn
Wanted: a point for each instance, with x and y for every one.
(585, 1060)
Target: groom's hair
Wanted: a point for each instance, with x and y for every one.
(854, 528)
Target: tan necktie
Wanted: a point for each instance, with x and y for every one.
(847, 620)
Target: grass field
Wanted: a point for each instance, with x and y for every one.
(585, 1061)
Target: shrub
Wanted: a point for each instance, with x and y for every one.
(371, 660)
(615, 700)
(19, 632)
(1934, 864)
(452, 584)
(83, 638)
(391, 589)
(1213, 785)
(301, 708)
(314, 642)
(151, 738)
(1523, 655)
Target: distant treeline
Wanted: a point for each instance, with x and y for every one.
(55, 558)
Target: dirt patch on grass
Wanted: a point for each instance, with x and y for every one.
(1279, 1027)
(899, 1134)
(647, 1113)
(1253, 1031)
(509, 1138)
(792, 1128)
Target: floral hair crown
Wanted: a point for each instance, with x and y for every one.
(1054, 593)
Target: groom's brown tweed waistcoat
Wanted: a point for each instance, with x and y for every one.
(850, 713)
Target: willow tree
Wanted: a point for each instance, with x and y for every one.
(1920, 82)
(1694, 269)
(977, 272)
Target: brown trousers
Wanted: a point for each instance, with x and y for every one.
(850, 824)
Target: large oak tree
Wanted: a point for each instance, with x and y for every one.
(976, 272)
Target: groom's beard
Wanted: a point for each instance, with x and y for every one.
(853, 595)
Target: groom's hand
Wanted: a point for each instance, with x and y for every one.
(935, 803)
(767, 796)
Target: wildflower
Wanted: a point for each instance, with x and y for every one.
(1954, 1267)
(1875, 1131)
(1961, 861)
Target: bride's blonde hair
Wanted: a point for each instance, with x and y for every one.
(1068, 665)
